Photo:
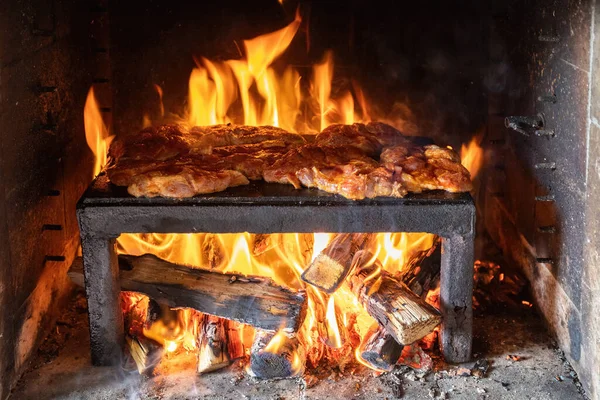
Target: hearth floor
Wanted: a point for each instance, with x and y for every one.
(62, 370)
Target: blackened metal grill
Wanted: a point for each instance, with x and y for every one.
(105, 211)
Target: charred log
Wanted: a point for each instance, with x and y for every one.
(379, 349)
(255, 301)
(405, 316)
(330, 268)
(215, 351)
(276, 356)
(422, 272)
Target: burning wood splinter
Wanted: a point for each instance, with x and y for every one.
(331, 267)
(219, 344)
(276, 356)
(405, 316)
(379, 349)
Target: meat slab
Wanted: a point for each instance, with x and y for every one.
(356, 161)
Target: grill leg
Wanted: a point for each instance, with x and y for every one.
(456, 293)
(101, 269)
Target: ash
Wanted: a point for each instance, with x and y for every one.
(515, 358)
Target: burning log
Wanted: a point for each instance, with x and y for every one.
(422, 272)
(213, 250)
(255, 301)
(405, 316)
(146, 353)
(331, 267)
(276, 356)
(264, 242)
(219, 344)
(379, 349)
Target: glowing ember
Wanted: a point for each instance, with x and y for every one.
(329, 320)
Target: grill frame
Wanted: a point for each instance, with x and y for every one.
(105, 211)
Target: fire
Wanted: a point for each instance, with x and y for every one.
(330, 320)
(471, 155)
(96, 133)
(253, 91)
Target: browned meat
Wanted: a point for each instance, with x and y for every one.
(369, 138)
(156, 143)
(172, 161)
(181, 180)
(167, 142)
(427, 168)
(344, 170)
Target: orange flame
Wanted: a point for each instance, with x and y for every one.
(96, 133)
(217, 92)
(329, 318)
(471, 155)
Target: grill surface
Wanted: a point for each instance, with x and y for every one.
(105, 211)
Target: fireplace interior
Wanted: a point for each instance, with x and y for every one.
(497, 282)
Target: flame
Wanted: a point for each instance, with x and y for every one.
(330, 111)
(335, 337)
(96, 133)
(254, 91)
(330, 320)
(471, 155)
(276, 342)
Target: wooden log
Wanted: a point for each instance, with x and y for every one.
(235, 339)
(405, 316)
(213, 251)
(379, 349)
(330, 268)
(276, 356)
(422, 272)
(255, 301)
(213, 348)
(146, 353)
(286, 244)
(264, 242)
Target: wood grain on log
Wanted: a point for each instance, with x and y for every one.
(330, 268)
(255, 301)
(146, 353)
(282, 359)
(405, 316)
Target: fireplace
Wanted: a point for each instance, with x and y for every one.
(510, 86)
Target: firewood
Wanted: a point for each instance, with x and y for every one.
(213, 351)
(276, 356)
(212, 249)
(405, 316)
(422, 272)
(251, 300)
(146, 353)
(264, 242)
(331, 267)
(379, 349)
